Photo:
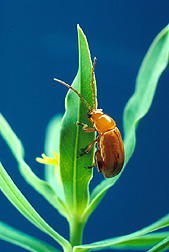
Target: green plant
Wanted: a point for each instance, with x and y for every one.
(66, 184)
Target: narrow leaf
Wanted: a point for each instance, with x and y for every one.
(23, 240)
(121, 240)
(154, 63)
(20, 202)
(73, 140)
(139, 243)
(161, 246)
(52, 172)
(40, 185)
(142, 242)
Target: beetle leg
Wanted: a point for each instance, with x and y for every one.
(89, 167)
(99, 163)
(85, 127)
(88, 148)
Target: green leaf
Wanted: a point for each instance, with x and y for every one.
(52, 173)
(20, 202)
(41, 186)
(154, 63)
(23, 240)
(128, 239)
(139, 243)
(74, 176)
(142, 242)
(161, 246)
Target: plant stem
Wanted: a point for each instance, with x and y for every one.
(76, 231)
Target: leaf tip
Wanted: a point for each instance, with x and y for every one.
(80, 31)
(78, 27)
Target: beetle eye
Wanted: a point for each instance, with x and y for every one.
(89, 115)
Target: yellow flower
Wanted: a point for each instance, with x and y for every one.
(52, 161)
(47, 160)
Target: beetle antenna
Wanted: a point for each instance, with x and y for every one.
(67, 85)
(92, 83)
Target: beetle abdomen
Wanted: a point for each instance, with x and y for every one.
(112, 152)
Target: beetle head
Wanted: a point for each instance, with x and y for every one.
(94, 114)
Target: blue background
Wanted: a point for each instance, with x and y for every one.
(38, 41)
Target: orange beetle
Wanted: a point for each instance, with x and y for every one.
(109, 158)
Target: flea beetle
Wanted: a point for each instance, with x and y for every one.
(109, 158)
